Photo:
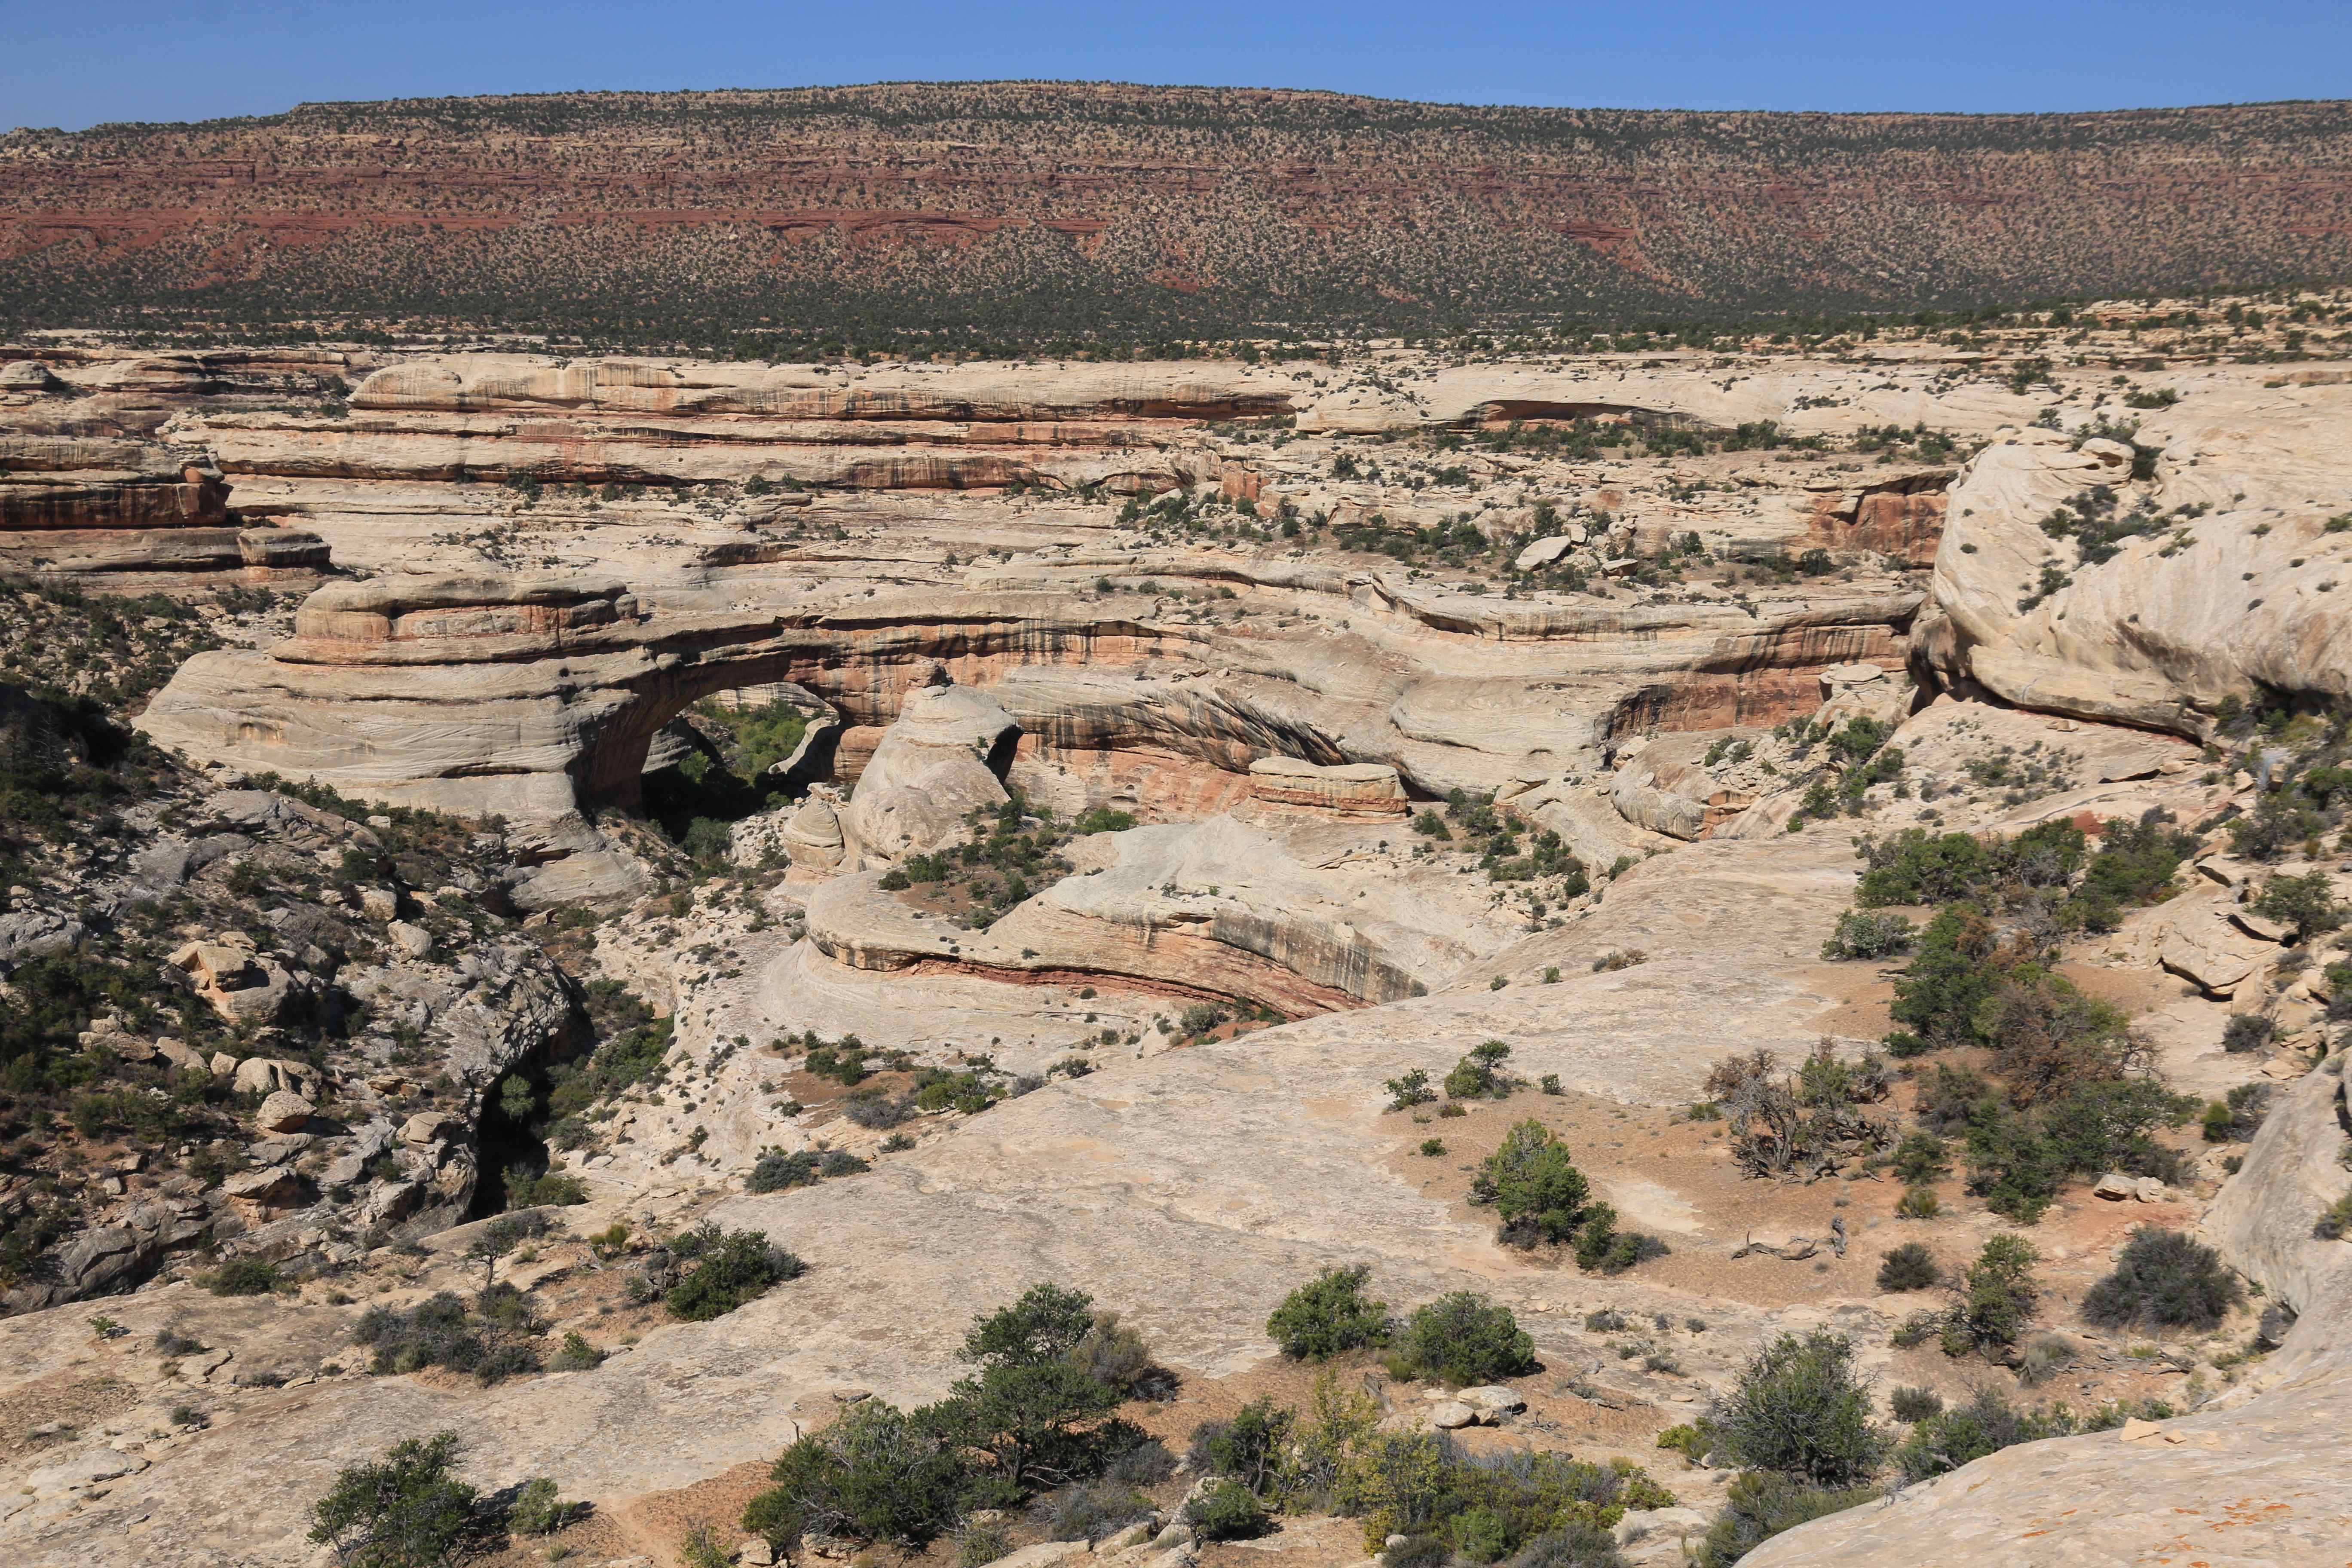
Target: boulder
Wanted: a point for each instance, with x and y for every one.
(1544, 551)
(812, 837)
(267, 1075)
(2204, 963)
(182, 1059)
(2115, 1186)
(1493, 1398)
(284, 1113)
(240, 985)
(1451, 1414)
(266, 1186)
(428, 1127)
(412, 942)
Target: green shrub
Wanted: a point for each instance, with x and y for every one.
(554, 1190)
(1226, 1512)
(2012, 1166)
(1532, 1184)
(1328, 1315)
(1916, 1404)
(1480, 1075)
(2246, 1032)
(777, 1172)
(1799, 1408)
(1860, 935)
(1950, 978)
(1250, 1449)
(1410, 1090)
(2280, 820)
(1028, 1405)
(1578, 1545)
(403, 1512)
(700, 1549)
(2109, 1125)
(537, 1510)
(2307, 903)
(1997, 1296)
(728, 1270)
(977, 1545)
(1694, 1441)
(877, 1473)
(1601, 1247)
(1420, 1484)
(1114, 1355)
(1914, 867)
(1986, 1425)
(1917, 1203)
(1921, 1158)
(2134, 864)
(1909, 1267)
(244, 1277)
(1464, 1339)
(2335, 1221)
(494, 1341)
(2236, 1119)
(1093, 1510)
(577, 1354)
(2163, 1280)
(1762, 1504)
(1418, 1552)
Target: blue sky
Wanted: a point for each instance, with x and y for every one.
(71, 64)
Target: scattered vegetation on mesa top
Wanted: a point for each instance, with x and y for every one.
(111, 653)
(1006, 856)
(1028, 289)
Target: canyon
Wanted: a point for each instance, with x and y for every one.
(1191, 750)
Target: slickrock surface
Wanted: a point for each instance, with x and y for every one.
(1189, 828)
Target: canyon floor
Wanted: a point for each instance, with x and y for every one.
(1133, 771)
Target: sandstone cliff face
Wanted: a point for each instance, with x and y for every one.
(133, 515)
(2231, 584)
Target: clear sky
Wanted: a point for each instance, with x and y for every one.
(74, 63)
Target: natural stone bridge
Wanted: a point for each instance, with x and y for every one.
(534, 699)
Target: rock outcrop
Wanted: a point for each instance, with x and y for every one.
(1348, 790)
(132, 516)
(1218, 910)
(943, 758)
(2222, 572)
